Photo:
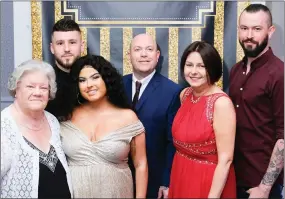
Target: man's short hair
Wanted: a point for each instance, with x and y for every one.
(65, 25)
(253, 8)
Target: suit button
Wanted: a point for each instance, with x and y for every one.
(241, 89)
(237, 105)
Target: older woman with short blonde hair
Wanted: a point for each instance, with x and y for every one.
(33, 164)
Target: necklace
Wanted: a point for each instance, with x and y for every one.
(195, 101)
(33, 126)
(198, 98)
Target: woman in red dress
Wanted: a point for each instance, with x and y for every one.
(203, 130)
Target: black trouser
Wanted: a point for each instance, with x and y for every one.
(276, 191)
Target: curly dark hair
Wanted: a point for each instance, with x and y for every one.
(112, 78)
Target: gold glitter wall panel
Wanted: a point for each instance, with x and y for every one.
(57, 11)
(173, 54)
(84, 39)
(151, 31)
(105, 43)
(241, 6)
(127, 38)
(112, 32)
(36, 12)
(219, 33)
(196, 34)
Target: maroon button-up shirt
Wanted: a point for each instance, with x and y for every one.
(258, 98)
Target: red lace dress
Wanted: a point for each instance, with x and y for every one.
(196, 152)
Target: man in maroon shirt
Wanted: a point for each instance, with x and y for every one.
(257, 91)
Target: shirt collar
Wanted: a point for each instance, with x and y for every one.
(145, 80)
(260, 61)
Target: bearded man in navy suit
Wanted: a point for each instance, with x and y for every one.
(155, 99)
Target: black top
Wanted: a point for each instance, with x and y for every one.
(58, 106)
(52, 176)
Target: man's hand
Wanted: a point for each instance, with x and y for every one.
(259, 192)
(163, 192)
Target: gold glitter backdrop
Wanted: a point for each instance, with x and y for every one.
(210, 26)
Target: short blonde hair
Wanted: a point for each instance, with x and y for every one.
(31, 66)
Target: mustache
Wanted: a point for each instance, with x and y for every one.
(250, 40)
(67, 55)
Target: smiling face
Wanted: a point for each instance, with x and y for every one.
(91, 85)
(194, 71)
(254, 32)
(32, 92)
(144, 54)
(66, 47)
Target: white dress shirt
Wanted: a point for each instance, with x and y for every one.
(144, 82)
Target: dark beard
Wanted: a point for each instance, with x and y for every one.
(67, 65)
(254, 52)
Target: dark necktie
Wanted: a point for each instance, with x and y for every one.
(136, 97)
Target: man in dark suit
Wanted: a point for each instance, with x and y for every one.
(155, 99)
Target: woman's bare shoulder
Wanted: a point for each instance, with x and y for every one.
(127, 115)
(181, 95)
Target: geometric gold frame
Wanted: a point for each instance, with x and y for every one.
(127, 36)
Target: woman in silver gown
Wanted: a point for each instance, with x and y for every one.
(100, 131)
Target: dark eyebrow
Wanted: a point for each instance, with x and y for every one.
(189, 62)
(94, 74)
(90, 75)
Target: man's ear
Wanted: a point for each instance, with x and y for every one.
(271, 31)
(157, 54)
(51, 48)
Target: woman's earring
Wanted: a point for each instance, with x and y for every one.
(78, 99)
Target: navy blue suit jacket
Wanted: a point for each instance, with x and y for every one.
(156, 109)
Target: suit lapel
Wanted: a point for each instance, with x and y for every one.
(129, 88)
(151, 87)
